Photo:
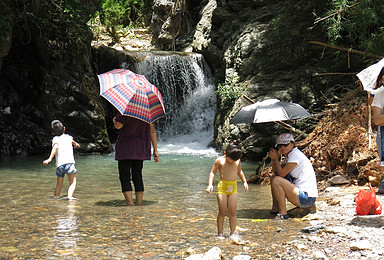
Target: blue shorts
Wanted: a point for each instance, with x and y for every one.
(68, 168)
(304, 200)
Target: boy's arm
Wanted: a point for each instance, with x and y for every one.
(75, 144)
(53, 153)
(154, 143)
(241, 175)
(212, 176)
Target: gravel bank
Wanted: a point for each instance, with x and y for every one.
(336, 232)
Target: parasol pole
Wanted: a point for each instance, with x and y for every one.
(291, 128)
(369, 123)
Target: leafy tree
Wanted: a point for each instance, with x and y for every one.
(116, 14)
(59, 25)
(358, 23)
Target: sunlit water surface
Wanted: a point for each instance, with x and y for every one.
(177, 214)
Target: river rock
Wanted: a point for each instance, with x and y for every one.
(361, 245)
(338, 180)
(242, 257)
(319, 255)
(313, 229)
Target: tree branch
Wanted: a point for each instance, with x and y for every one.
(335, 13)
(346, 49)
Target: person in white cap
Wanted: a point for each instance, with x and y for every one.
(302, 191)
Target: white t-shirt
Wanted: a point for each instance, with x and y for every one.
(65, 149)
(378, 100)
(305, 177)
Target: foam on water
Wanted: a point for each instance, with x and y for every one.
(186, 149)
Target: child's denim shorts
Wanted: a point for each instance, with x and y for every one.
(68, 168)
(304, 200)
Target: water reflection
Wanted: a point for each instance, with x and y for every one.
(66, 235)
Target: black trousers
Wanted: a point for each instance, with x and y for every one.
(131, 170)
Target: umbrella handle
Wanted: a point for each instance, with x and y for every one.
(291, 128)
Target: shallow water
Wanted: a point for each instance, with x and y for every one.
(177, 214)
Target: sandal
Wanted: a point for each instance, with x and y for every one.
(273, 212)
(281, 216)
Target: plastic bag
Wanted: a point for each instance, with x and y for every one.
(367, 203)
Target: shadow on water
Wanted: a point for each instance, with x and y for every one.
(121, 203)
(254, 214)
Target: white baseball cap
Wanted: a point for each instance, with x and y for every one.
(285, 138)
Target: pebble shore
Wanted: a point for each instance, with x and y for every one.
(336, 232)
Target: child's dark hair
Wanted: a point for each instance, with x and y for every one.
(57, 127)
(234, 151)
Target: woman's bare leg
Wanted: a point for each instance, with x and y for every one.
(128, 197)
(139, 197)
(282, 189)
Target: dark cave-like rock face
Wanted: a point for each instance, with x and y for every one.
(37, 87)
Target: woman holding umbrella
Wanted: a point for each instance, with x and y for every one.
(302, 192)
(132, 147)
(378, 119)
(139, 104)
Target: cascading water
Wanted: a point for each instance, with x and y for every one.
(188, 90)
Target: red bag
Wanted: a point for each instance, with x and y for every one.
(367, 203)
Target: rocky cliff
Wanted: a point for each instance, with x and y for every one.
(266, 46)
(48, 70)
(46, 74)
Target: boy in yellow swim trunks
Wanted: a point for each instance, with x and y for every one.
(229, 168)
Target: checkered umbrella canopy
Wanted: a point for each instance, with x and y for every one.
(132, 94)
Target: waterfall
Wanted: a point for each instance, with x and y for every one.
(187, 86)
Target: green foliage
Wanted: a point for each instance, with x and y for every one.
(116, 14)
(60, 24)
(5, 25)
(358, 23)
(229, 92)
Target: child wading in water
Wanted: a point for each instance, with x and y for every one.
(229, 168)
(62, 150)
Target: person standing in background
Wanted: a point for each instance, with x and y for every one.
(378, 118)
(133, 146)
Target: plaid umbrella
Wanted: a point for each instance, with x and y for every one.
(132, 94)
